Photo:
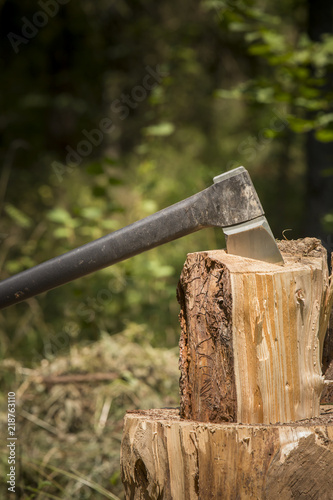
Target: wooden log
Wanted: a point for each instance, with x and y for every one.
(166, 457)
(252, 335)
(250, 357)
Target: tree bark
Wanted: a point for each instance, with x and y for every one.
(165, 457)
(252, 335)
(327, 394)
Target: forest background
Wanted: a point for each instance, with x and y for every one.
(110, 111)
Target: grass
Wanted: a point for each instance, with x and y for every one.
(69, 431)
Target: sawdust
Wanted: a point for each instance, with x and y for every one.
(173, 414)
(305, 247)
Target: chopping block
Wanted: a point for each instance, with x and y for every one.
(250, 424)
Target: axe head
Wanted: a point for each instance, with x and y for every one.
(252, 239)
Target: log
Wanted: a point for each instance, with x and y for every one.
(252, 335)
(166, 457)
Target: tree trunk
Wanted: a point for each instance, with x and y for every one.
(319, 155)
(165, 457)
(252, 335)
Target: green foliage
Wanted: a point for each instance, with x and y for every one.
(162, 129)
(17, 216)
(293, 69)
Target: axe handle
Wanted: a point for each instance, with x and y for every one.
(164, 226)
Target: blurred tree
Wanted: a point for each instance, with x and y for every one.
(294, 75)
(319, 154)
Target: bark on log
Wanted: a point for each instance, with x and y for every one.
(327, 394)
(165, 457)
(252, 335)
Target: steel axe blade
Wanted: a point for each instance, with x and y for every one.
(252, 239)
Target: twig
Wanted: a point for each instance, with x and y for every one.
(76, 378)
(40, 423)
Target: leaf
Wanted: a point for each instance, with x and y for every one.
(149, 206)
(59, 216)
(320, 57)
(259, 49)
(18, 216)
(312, 104)
(95, 168)
(162, 129)
(91, 212)
(324, 135)
(109, 224)
(115, 181)
(276, 41)
(308, 92)
(259, 15)
(159, 270)
(239, 27)
(17, 265)
(271, 134)
(299, 124)
(157, 95)
(265, 95)
(62, 232)
(229, 94)
(251, 37)
(324, 119)
(302, 74)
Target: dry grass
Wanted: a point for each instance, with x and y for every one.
(69, 429)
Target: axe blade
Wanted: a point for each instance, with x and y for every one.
(251, 239)
(254, 240)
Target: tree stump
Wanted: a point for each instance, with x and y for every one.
(249, 425)
(166, 457)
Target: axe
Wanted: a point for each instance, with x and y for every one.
(230, 203)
